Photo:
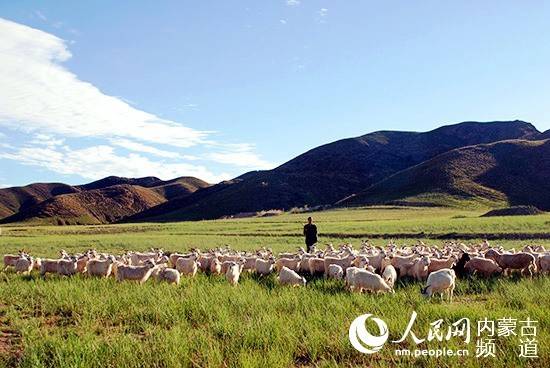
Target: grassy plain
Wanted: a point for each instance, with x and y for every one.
(78, 322)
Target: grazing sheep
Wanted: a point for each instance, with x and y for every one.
(24, 265)
(205, 260)
(135, 273)
(263, 266)
(403, 263)
(335, 272)
(518, 261)
(360, 262)
(389, 275)
(483, 266)
(544, 263)
(11, 259)
(316, 265)
(233, 273)
(67, 267)
(175, 256)
(187, 266)
(81, 263)
(363, 280)
(350, 271)
(226, 265)
(438, 264)
(290, 277)
(249, 264)
(168, 275)
(419, 270)
(137, 258)
(216, 267)
(344, 262)
(36, 264)
(304, 264)
(442, 281)
(48, 266)
(292, 263)
(100, 267)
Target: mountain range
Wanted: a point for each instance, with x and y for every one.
(104, 201)
(496, 163)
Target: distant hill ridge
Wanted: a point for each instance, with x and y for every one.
(104, 201)
(502, 162)
(331, 172)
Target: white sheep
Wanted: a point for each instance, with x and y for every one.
(389, 274)
(100, 267)
(264, 266)
(419, 270)
(36, 264)
(215, 267)
(438, 264)
(249, 263)
(343, 262)
(48, 266)
(442, 281)
(316, 265)
(233, 273)
(292, 263)
(135, 273)
(335, 272)
(290, 277)
(67, 267)
(363, 280)
(168, 275)
(11, 259)
(24, 265)
(187, 266)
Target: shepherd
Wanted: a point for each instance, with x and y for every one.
(310, 232)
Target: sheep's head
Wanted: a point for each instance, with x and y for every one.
(492, 254)
(423, 290)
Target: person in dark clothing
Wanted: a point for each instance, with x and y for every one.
(310, 232)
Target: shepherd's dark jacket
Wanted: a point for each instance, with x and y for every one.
(310, 231)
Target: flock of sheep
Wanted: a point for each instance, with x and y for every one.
(369, 268)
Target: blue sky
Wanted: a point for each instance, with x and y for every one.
(217, 88)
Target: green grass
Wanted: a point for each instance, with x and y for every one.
(80, 322)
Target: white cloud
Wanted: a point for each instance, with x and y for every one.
(241, 155)
(282, 21)
(100, 161)
(292, 2)
(323, 12)
(37, 94)
(46, 140)
(52, 109)
(139, 147)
